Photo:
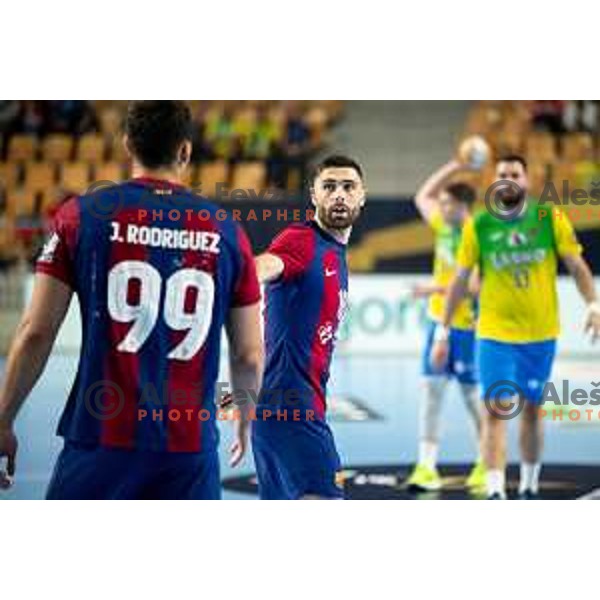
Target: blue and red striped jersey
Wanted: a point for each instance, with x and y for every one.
(155, 279)
(303, 310)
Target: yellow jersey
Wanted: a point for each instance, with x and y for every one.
(447, 240)
(517, 259)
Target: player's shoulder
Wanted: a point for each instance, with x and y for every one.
(67, 212)
(481, 219)
(296, 233)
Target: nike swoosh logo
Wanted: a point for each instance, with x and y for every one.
(329, 273)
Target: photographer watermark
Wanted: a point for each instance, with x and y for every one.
(505, 200)
(505, 400)
(105, 400)
(164, 201)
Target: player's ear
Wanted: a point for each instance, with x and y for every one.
(127, 146)
(313, 198)
(185, 154)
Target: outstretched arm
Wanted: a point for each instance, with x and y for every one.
(584, 280)
(427, 195)
(457, 290)
(268, 267)
(27, 357)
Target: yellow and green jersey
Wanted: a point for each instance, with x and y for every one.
(518, 261)
(447, 241)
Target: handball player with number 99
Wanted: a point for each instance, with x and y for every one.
(156, 284)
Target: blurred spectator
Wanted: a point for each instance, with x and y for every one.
(72, 116)
(297, 140)
(200, 111)
(265, 133)
(9, 115)
(33, 117)
(289, 165)
(244, 124)
(582, 115)
(219, 134)
(547, 115)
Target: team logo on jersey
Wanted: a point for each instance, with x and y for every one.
(49, 249)
(516, 239)
(326, 333)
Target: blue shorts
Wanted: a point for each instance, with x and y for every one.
(461, 360)
(527, 365)
(85, 472)
(295, 459)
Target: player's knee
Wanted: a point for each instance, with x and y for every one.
(531, 411)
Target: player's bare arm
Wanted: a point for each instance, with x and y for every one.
(246, 359)
(27, 357)
(424, 290)
(457, 291)
(584, 280)
(428, 194)
(268, 267)
(474, 286)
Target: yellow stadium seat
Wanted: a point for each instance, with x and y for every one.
(39, 177)
(57, 148)
(109, 172)
(316, 119)
(91, 148)
(117, 150)
(249, 176)
(211, 174)
(561, 172)
(541, 147)
(509, 141)
(9, 175)
(22, 147)
(8, 242)
(111, 119)
(75, 177)
(537, 173)
(21, 203)
(577, 147)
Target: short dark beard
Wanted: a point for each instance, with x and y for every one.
(331, 222)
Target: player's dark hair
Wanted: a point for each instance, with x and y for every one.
(156, 129)
(513, 158)
(336, 161)
(462, 192)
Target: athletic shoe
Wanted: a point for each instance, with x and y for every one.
(424, 479)
(529, 495)
(478, 476)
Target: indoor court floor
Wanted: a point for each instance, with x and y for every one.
(374, 419)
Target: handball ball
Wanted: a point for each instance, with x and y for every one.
(474, 151)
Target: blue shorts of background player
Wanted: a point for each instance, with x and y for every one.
(525, 365)
(461, 359)
(90, 472)
(295, 459)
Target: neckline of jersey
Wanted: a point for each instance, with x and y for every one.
(326, 235)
